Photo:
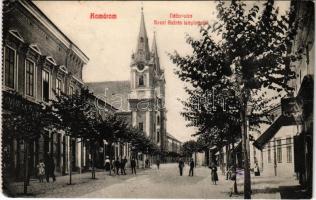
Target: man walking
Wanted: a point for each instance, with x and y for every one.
(123, 163)
(181, 165)
(158, 163)
(133, 166)
(117, 165)
(191, 167)
(49, 167)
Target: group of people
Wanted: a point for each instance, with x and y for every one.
(181, 166)
(191, 163)
(119, 165)
(46, 169)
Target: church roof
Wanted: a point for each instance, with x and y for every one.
(114, 92)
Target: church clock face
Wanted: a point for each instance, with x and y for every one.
(140, 66)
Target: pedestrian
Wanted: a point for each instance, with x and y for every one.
(107, 163)
(113, 166)
(158, 163)
(214, 175)
(257, 170)
(133, 166)
(147, 163)
(191, 167)
(123, 163)
(233, 177)
(181, 165)
(52, 168)
(41, 170)
(117, 166)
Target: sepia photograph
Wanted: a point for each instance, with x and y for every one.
(157, 99)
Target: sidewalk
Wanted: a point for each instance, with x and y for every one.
(266, 187)
(37, 189)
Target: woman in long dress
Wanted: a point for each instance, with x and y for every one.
(214, 175)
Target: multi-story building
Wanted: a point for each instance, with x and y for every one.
(37, 59)
(296, 110)
(276, 157)
(173, 144)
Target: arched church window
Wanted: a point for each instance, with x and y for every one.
(141, 39)
(158, 119)
(158, 136)
(141, 80)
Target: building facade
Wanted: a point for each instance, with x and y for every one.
(38, 58)
(297, 109)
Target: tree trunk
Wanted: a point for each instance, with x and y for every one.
(26, 167)
(93, 161)
(70, 160)
(110, 156)
(247, 182)
(235, 190)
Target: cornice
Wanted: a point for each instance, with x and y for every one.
(53, 29)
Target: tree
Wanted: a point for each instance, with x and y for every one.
(25, 122)
(73, 114)
(113, 129)
(250, 54)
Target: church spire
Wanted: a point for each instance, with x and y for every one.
(142, 51)
(154, 51)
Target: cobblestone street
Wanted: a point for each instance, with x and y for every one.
(151, 183)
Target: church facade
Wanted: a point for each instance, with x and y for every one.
(142, 98)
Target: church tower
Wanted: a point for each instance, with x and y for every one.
(146, 99)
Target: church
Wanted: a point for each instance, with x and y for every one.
(141, 100)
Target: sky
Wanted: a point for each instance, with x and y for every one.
(109, 43)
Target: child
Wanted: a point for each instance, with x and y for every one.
(41, 170)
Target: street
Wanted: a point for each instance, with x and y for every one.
(151, 183)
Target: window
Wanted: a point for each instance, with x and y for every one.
(29, 77)
(158, 119)
(158, 137)
(58, 87)
(141, 39)
(269, 153)
(71, 90)
(141, 80)
(45, 85)
(141, 126)
(288, 150)
(9, 67)
(279, 151)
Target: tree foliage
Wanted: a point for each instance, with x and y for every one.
(244, 57)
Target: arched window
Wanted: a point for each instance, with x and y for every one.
(158, 119)
(158, 136)
(141, 80)
(141, 39)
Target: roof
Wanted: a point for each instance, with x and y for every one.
(42, 18)
(116, 92)
(273, 129)
(172, 137)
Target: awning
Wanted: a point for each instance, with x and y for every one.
(273, 129)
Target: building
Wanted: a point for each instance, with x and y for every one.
(173, 148)
(143, 96)
(297, 110)
(276, 157)
(38, 58)
(173, 144)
